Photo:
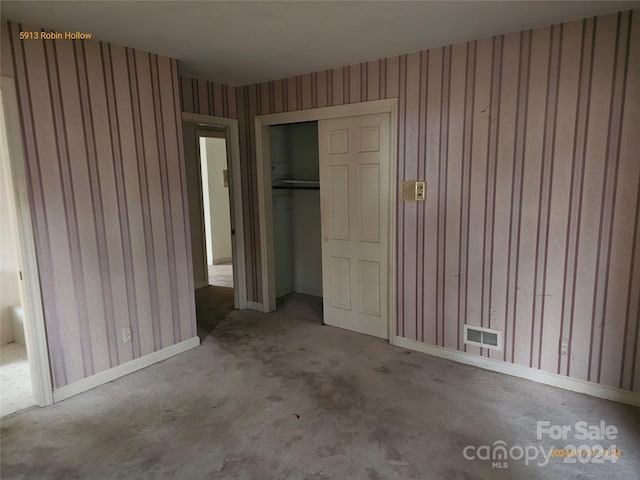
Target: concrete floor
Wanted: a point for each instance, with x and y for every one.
(280, 396)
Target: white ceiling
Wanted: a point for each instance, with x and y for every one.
(240, 43)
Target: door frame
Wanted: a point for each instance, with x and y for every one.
(230, 125)
(13, 163)
(265, 210)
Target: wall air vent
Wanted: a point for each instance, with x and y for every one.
(483, 337)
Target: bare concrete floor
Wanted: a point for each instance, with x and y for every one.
(280, 396)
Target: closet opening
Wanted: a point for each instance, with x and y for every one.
(337, 244)
(297, 236)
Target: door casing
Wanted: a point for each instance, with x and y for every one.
(265, 213)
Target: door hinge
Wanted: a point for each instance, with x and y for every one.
(20, 272)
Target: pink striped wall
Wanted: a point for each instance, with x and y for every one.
(207, 98)
(103, 148)
(529, 144)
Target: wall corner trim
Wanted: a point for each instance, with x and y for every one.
(114, 373)
(539, 376)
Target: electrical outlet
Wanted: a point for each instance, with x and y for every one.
(564, 346)
(126, 335)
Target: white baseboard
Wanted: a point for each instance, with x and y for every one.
(114, 373)
(255, 306)
(200, 284)
(309, 291)
(540, 376)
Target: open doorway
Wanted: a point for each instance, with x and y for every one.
(25, 370)
(212, 167)
(295, 193)
(15, 375)
(214, 173)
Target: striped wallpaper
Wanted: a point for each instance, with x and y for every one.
(103, 148)
(529, 145)
(207, 98)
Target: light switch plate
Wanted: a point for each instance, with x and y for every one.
(414, 191)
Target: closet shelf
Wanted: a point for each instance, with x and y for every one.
(305, 184)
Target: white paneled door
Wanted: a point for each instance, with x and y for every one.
(354, 191)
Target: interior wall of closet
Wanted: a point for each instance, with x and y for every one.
(296, 208)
